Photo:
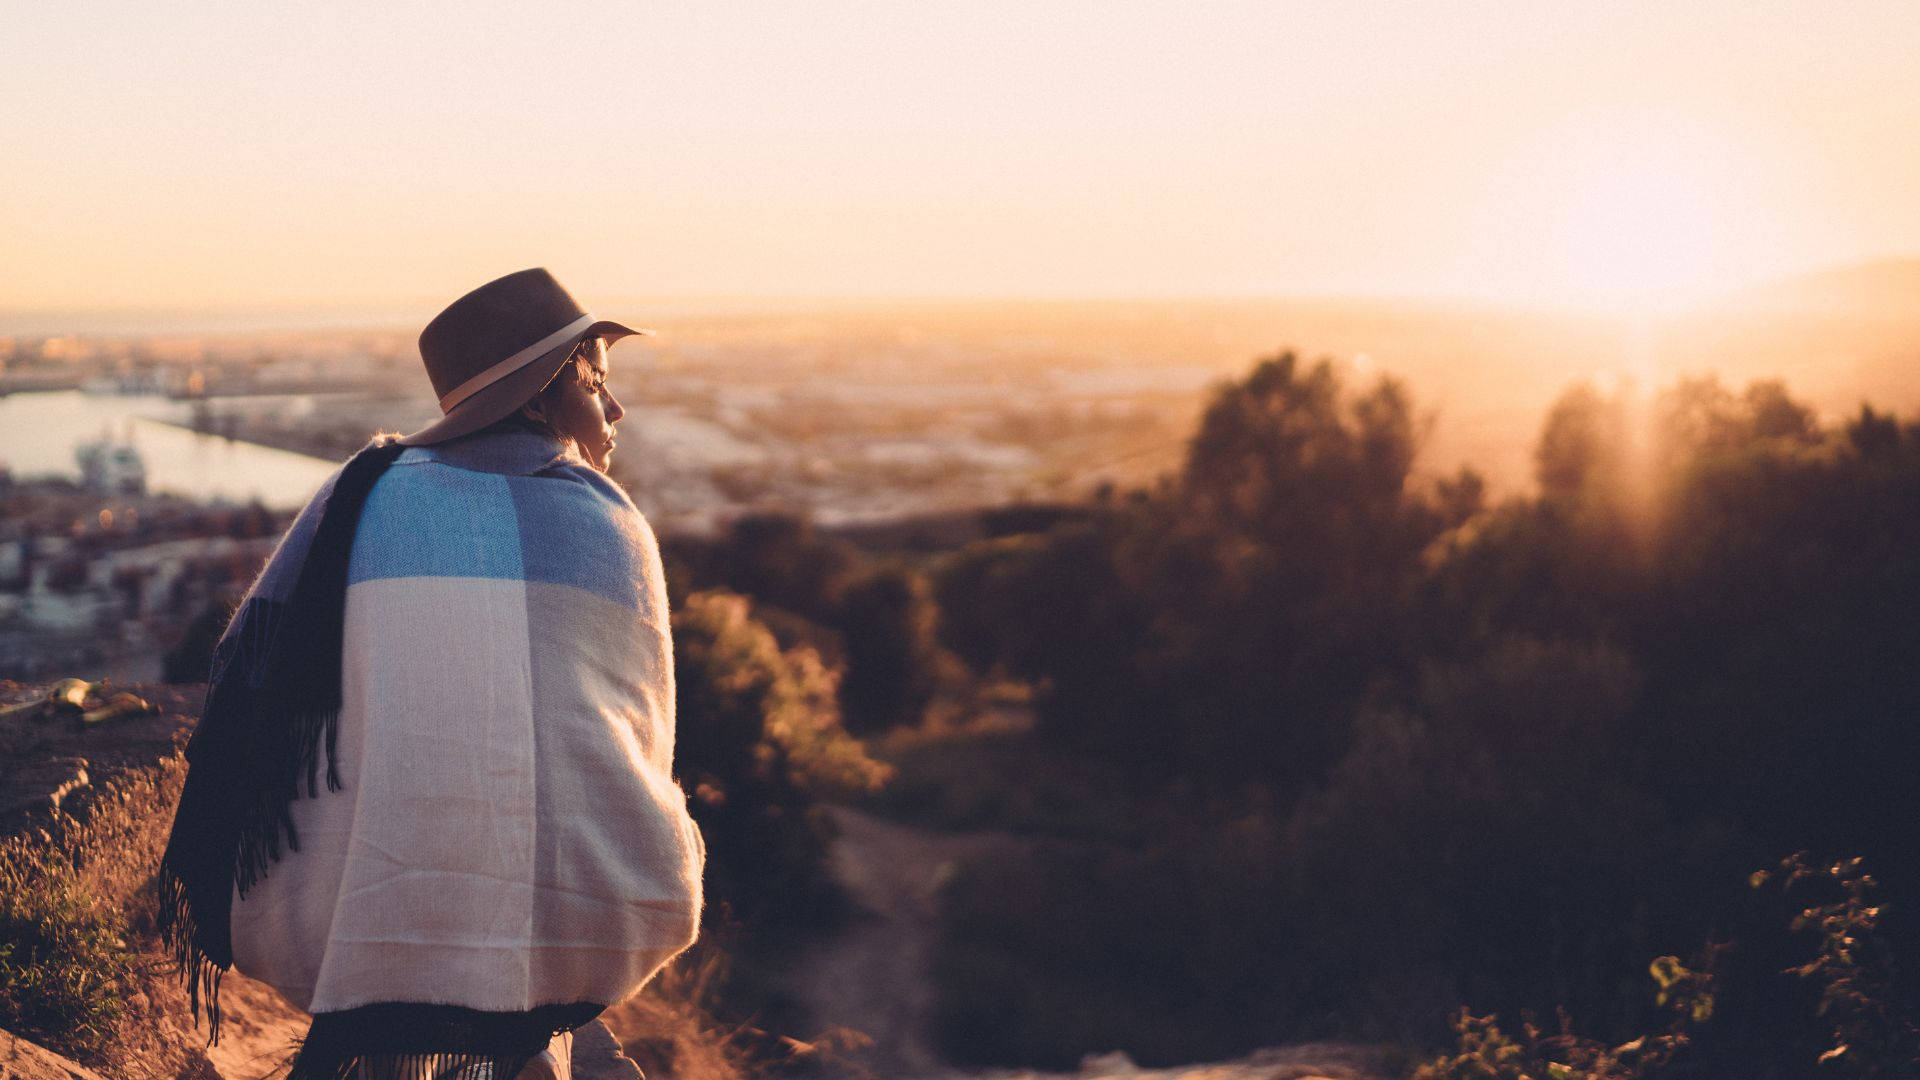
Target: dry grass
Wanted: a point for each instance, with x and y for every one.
(668, 1030)
(80, 969)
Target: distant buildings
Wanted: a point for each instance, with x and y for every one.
(95, 585)
(111, 468)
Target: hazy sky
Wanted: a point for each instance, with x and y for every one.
(233, 154)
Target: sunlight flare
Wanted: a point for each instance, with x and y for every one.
(1641, 236)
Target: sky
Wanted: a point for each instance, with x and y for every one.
(1605, 155)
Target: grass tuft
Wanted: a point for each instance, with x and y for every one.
(71, 895)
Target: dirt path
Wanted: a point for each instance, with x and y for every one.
(873, 976)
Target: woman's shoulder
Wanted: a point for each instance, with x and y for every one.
(586, 532)
(560, 522)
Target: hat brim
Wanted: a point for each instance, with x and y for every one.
(511, 391)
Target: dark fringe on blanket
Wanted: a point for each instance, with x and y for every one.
(411, 1042)
(273, 701)
(414, 1067)
(179, 930)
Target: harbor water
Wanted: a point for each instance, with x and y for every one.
(40, 432)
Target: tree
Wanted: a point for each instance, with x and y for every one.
(1228, 627)
(887, 624)
(1582, 452)
(780, 559)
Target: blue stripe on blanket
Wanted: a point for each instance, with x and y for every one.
(437, 522)
(574, 535)
(567, 525)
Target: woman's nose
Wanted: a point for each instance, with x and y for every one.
(614, 411)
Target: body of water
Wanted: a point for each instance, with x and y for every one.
(40, 431)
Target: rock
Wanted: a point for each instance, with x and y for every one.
(70, 692)
(30, 723)
(47, 743)
(40, 786)
(120, 705)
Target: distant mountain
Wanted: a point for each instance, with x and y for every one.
(1882, 289)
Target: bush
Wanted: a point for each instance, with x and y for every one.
(1869, 1032)
(669, 1027)
(1484, 1052)
(759, 743)
(1853, 966)
(990, 773)
(887, 623)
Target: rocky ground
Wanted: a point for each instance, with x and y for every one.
(60, 743)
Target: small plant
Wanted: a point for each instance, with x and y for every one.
(1853, 966)
(1485, 1052)
(62, 951)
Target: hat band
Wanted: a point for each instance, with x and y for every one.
(512, 364)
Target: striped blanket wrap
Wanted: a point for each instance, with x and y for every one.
(506, 836)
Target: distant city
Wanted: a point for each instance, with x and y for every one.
(143, 476)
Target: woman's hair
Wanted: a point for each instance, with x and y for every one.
(518, 420)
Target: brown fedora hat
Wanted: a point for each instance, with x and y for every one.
(496, 347)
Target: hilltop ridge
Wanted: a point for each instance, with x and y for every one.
(1886, 288)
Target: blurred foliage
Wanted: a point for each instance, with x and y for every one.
(760, 743)
(1484, 1052)
(1853, 966)
(893, 659)
(784, 562)
(191, 657)
(1386, 748)
(870, 621)
(955, 777)
(1229, 625)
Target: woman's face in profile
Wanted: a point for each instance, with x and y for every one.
(579, 406)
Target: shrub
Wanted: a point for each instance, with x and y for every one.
(1870, 1033)
(759, 743)
(1852, 966)
(887, 619)
(669, 1027)
(1484, 1052)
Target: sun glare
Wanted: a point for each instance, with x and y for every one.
(1635, 212)
(1639, 237)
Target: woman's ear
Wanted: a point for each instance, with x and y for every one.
(535, 408)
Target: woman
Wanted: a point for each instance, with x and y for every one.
(468, 628)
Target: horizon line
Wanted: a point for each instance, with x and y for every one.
(392, 315)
